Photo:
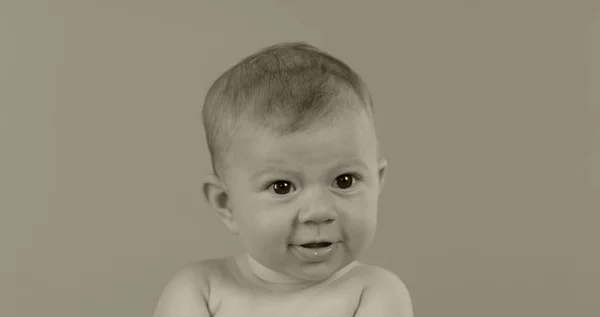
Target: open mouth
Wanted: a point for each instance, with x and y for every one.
(316, 245)
(315, 251)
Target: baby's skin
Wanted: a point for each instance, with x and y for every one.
(304, 206)
(240, 286)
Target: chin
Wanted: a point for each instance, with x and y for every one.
(316, 272)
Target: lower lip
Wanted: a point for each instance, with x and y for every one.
(315, 254)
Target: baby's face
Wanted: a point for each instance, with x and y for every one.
(318, 185)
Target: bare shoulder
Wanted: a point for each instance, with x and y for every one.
(186, 294)
(384, 294)
(376, 276)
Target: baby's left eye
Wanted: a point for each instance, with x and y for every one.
(346, 181)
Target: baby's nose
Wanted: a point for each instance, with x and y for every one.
(319, 211)
(321, 218)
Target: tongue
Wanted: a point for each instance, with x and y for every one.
(316, 245)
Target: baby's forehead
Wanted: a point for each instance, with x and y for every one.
(317, 142)
(304, 150)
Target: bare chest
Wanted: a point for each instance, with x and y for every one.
(340, 301)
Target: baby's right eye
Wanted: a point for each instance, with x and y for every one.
(281, 187)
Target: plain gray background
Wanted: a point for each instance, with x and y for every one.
(488, 113)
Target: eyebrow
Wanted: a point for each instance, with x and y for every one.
(352, 162)
(273, 166)
(278, 166)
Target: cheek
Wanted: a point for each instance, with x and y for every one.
(361, 217)
(260, 223)
(361, 207)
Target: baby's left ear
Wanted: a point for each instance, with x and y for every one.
(381, 167)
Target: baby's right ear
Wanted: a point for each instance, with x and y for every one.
(215, 193)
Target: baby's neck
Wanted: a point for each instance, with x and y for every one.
(271, 280)
(267, 275)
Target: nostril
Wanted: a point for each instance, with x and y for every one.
(316, 220)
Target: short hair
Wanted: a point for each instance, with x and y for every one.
(283, 88)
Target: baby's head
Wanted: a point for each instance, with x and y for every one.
(295, 158)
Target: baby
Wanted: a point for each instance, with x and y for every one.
(296, 175)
